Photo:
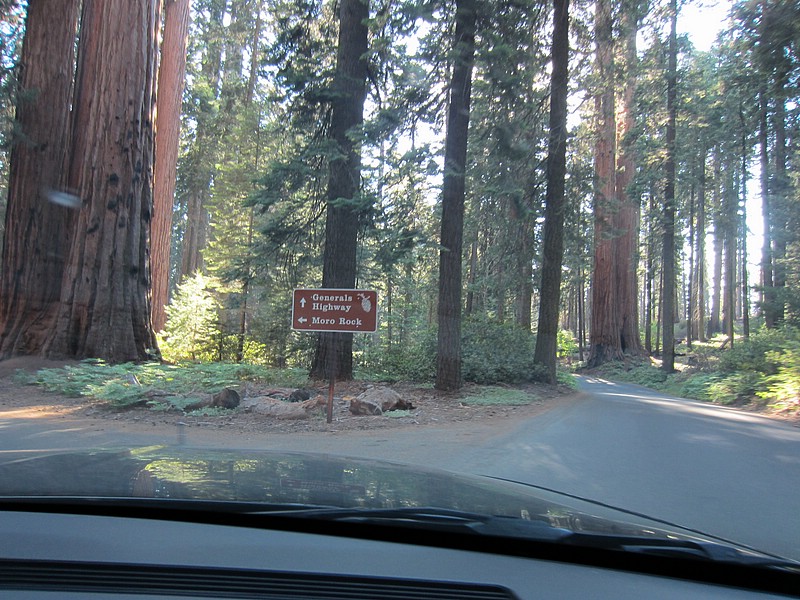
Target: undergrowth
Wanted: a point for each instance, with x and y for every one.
(764, 369)
(160, 386)
(497, 396)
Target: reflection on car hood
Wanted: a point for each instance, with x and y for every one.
(274, 479)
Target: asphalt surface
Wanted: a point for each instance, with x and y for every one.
(722, 471)
(725, 472)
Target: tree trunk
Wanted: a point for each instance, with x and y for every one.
(627, 217)
(473, 265)
(105, 309)
(699, 314)
(781, 203)
(546, 349)
(168, 122)
(254, 55)
(581, 315)
(40, 213)
(604, 338)
(650, 272)
(525, 294)
(741, 227)
(730, 237)
(690, 279)
(768, 300)
(334, 352)
(719, 238)
(448, 355)
(668, 248)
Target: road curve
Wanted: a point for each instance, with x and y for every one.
(716, 469)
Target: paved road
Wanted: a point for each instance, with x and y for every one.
(729, 473)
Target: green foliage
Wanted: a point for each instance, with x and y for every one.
(783, 388)
(192, 331)
(498, 396)
(566, 379)
(753, 354)
(734, 388)
(399, 414)
(697, 386)
(566, 343)
(496, 352)
(161, 386)
(641, 373)
(415, 361)
(766, 366)
(491, 353)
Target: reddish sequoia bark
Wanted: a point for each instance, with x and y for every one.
(615, 310)
(105, 309)
(604, 338)
(168, 121)
(628, 212)
(38, 228)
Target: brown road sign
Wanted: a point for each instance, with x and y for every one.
(335, 310)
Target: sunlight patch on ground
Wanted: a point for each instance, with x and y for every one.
(697, 408)
(37, 412)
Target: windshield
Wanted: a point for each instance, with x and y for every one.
(549, 243)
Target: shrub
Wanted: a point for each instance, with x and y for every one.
(496, 352)
(498, 396)
(752, 354)
(567, 344)
(784, 387)
(126, 384)
(491, 352)
(697, 386)
(735, 388)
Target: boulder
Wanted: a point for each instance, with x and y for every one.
(227, 398)
(386, 398)
(301, 395)
(364, 407)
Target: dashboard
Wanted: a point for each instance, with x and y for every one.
(46, 555)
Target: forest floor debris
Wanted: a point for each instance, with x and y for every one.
(262, 408)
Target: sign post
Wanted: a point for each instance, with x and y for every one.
(334, 311)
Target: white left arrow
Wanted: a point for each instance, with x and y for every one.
(302, 320)
(302, 302)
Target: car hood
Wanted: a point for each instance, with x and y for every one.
(271, 479)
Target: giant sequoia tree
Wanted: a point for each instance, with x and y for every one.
(615, 317)
(101, 308)
(168, 121)
(38, 229)
(605, 340)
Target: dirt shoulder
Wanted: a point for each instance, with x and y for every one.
(431, 408)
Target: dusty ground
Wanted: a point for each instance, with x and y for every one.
(431, 407)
